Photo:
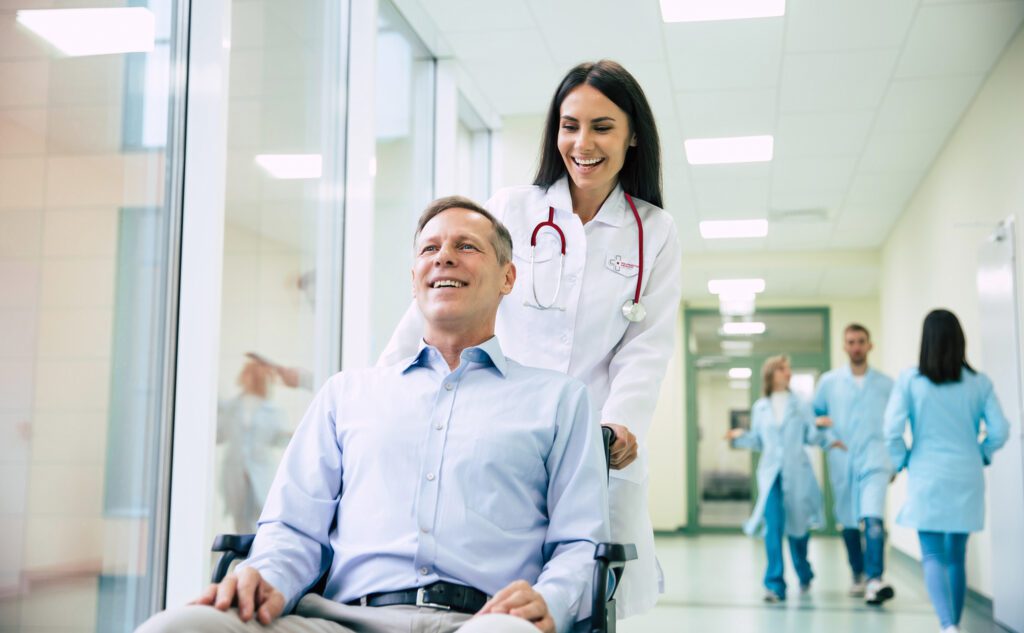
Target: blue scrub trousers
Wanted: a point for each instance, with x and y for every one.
(943, 555)
(866, 550)
(775, 527)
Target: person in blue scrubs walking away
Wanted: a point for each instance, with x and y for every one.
(851, 401)
(789, 499)
(945, 401)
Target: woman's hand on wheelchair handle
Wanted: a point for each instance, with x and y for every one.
(624, 448)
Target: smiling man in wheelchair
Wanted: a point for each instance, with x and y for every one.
(454, 490)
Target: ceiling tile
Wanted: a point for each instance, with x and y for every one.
(923, 104)
(813, 25)
(822, 133)
(882, 189)
(732, 199)
(835, 81)
(732, 113)
(454, 16)
(716, 56)
(865, 227)
(803, 198)
(828, 174)
(958, 38)
(523, 46)
(588, 30)
(795, 236)
(902, 151)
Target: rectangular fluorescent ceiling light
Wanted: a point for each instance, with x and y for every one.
(740, 373)
(734, 149)
(743, 327)
(727, 229)
(291, 166)
(711, 10)
(80, 32)
(735, 288)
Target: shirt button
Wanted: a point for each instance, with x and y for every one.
(430, 476)
(448, 386)
(425, 530)
(439, 427)
(424, 571)
(565, 338)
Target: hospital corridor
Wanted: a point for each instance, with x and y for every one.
(507, 316)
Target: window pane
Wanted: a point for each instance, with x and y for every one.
(281, 164)
(404, 182)
(87, 147)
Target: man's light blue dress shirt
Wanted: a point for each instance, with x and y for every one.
(413, 473)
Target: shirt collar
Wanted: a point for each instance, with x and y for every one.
(486, 353)
(612, 212)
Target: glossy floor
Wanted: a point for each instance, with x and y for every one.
(713, 584)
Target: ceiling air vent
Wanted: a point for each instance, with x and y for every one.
(798, 216)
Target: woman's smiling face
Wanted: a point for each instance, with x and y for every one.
(593, 136)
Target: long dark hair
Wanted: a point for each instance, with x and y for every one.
(943, 348)
(641, 171)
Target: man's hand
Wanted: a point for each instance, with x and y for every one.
(249, 591)
(837, 444)
(624, 449)
(823, 422)
(522, 601)
(733, 434)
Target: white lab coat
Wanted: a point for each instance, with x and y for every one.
(250, 428)
(586, 335)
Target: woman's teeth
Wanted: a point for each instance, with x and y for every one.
(587, 162)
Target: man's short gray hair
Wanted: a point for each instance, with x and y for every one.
(501, 239)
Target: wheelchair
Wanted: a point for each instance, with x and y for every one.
(610, 562)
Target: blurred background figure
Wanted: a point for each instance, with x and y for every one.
(945, 401)
(250, 427)
(789, 501)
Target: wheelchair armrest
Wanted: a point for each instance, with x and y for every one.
(234, 547)
(610, 557)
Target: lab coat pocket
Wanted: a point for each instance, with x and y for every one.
(508, 486)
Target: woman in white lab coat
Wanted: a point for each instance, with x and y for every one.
(589, 239)
(945, 401)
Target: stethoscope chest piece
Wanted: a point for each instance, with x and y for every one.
(634, 311)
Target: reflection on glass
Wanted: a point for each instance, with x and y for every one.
(85, 262)
(250, 426)
(278, 135)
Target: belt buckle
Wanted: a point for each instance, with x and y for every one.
(421, 602)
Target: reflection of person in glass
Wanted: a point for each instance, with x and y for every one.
(249, 426)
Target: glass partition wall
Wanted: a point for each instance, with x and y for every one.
(90, 164)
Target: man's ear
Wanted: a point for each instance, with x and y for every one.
(510, 278)
(412, 276)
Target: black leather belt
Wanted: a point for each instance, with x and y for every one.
(440, 595)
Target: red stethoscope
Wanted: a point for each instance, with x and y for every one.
(633, 310)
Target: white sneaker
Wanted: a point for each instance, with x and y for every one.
(951, 629)
(771, 597)
(878, 591)
(858, 586)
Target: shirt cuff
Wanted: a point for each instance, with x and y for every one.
(559, 606)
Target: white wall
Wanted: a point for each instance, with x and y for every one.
(930, 259)
(520, 150)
